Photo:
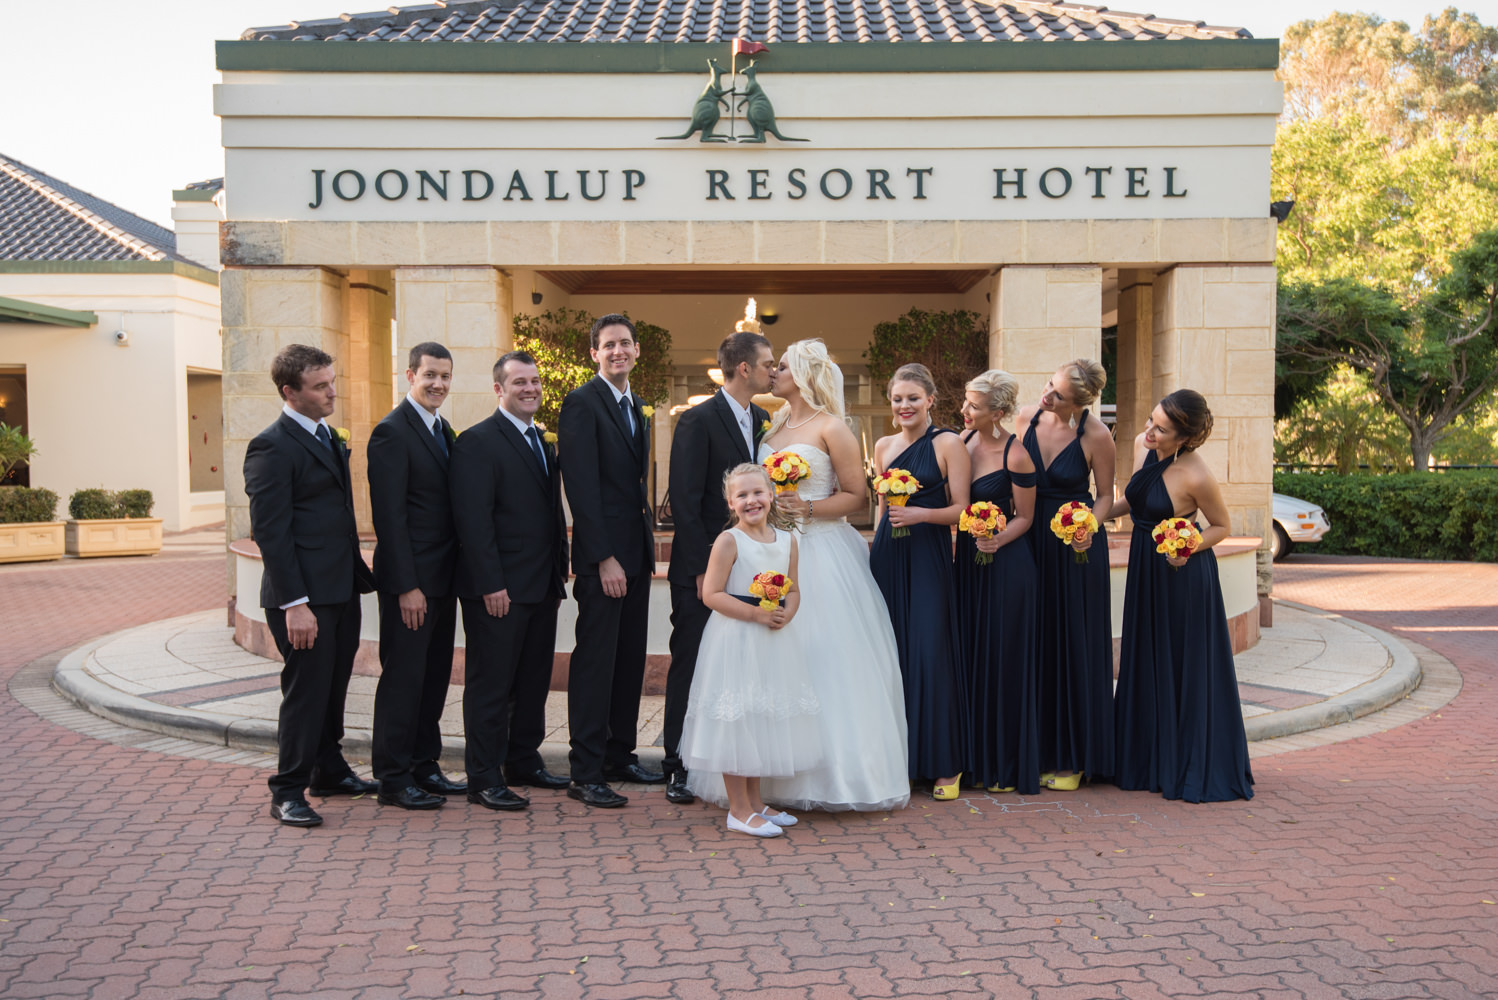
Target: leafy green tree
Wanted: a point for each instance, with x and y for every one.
(1429, 362)
(1343, 424)
(559, 340)
(954, 345)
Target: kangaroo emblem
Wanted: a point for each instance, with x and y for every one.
(758, 111)
(705, 113)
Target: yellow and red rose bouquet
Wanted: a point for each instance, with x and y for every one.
(1176, 537)
(896, 486)
(1074, 523)
(786, 469)
(770, 588)
(982, 520)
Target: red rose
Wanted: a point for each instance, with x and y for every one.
(1066, 518)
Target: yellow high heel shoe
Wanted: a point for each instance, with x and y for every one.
(1001, 788)
(1070, 783)
(948, 791)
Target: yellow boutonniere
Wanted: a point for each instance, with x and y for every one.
(649, 411)
(764, 427)
(549, 437)
(344, 437)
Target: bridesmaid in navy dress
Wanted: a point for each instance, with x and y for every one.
(915, 575)
(1180, 726)
(1069, 447)
(996, 602)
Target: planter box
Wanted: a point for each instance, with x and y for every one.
(32, 542)
(115, 536)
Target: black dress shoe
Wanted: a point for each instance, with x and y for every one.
(498, 797)
(539, 778)
(411, 797)
(676, 789)
(637, 773)
(441, 784)
(599, 795)
(295, 812)
(347, 785)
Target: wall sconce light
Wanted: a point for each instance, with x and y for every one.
(769, 317)
(535, 298)
(1279, 211)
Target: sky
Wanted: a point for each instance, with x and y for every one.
(122, 107)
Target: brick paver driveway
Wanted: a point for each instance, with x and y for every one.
(1363, 869)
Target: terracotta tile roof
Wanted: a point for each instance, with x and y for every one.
(768, 21)
(43, 218)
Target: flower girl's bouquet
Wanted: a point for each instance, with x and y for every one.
(896, 486)
(786, 469)
(770, 588)
(1074, 523)
(1176, 536)
(982, 520)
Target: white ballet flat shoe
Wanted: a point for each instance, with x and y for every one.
(767, 829)
(781, 818)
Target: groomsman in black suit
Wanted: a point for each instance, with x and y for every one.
(302, 517)
(507, 499)
(710, 439)
(605, 451)
(414, 560)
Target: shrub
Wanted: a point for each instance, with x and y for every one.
(92, 505)
(136, 503)
(954, 345)
(558, 340)
(1438, 515)
(16, 449)
(25, 505)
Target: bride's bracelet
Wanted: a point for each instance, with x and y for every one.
(811, 509)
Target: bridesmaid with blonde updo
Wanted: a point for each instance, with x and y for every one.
(1071, 448)
(996, 602)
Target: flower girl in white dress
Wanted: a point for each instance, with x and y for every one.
(752, 709)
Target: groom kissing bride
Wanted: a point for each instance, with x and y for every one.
(851, 647)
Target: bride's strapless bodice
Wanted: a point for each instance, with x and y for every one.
(822, 482)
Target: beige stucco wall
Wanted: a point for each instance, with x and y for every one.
(112, 416)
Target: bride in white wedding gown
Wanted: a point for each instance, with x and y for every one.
(842, 623)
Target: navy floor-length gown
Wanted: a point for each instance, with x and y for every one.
(1074, 621)
(996, 628)
(1180, 724)
(914, 574)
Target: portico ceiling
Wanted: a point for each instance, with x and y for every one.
(659, 281)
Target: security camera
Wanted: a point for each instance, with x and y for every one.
(121, 338)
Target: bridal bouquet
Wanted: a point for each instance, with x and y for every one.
(786, 469)
(982, 520)
(771, 589)
(1074, 524)
(1176, 536)
(896, 486)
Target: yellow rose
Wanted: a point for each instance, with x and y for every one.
(764, 427)
(343, 435)
(549, 437)
(649, 411)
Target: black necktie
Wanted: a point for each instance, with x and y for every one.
(441, 437)
(326, 438)
(535, 439)
(629, 414)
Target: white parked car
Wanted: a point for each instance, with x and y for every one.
(1295, 523)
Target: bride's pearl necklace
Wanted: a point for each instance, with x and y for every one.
(814, 414)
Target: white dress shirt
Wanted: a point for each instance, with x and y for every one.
(746, 423)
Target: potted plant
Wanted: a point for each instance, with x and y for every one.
(29, 531)
(105, 523)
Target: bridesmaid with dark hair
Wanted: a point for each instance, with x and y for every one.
(1070, 448)
(1180, 725)
(914, 573)
(996, 602)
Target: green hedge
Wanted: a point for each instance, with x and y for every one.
(25, 505)
(1433, 515)
(97, 504)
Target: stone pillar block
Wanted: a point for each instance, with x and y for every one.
(1043, 317)
(471, 311)
(1133, 376)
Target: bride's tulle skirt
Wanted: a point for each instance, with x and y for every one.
(843, 633)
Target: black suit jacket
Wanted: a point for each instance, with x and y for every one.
(302, 517)
(512, 534)
(411, 506)
(603, 469)
(706, 444)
